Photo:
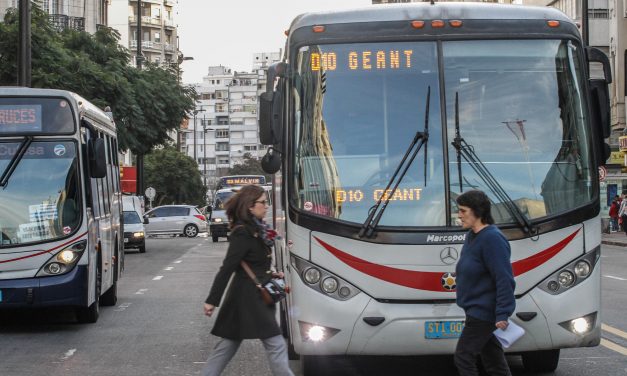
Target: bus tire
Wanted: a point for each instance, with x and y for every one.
(310, 365)
(89, 315)
(190, 231)
(142, 249)
(541, 361)
(110, 297)
(215, 238)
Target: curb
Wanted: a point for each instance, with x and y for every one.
(614, 243)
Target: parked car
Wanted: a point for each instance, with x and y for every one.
(175, 220)
(134, 232)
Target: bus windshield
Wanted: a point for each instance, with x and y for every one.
(41, 200)
(357, 107)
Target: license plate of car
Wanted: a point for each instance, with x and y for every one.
(125, 240)
(443, 329)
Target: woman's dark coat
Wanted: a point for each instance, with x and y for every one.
(243, 314)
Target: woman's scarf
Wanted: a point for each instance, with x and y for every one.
(266, 232)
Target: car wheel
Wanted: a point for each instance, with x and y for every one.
(541, 361)
(142, 249)
(190, 231)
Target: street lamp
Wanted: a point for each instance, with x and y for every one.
(196, 112)
(180, 59)
(204, 142)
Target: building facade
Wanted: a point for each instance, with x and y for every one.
(82, 15)
(159, 37)
(224, 126)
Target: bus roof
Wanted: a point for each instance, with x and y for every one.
(85, 107)
(426, 11)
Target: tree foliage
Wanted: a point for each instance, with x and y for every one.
(175, 177)
(250, 166)
(146, 103)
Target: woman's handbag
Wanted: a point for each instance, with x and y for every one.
(272, 292)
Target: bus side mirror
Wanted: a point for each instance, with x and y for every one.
(97, 158)
(600, 102)
(271, 107)
(271, 162)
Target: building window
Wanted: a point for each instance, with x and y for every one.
(598, 14)
(158, 37)
(250, 147)
(222, 146)
(223, 160)
(222, 133)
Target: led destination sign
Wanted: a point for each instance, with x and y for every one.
(20, 118)
(357, 195)
(362, 60)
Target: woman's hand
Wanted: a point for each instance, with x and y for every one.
(208, 308)
(278, 274)
(502, 325)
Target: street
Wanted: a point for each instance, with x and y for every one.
(157, 327)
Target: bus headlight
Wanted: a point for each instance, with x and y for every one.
(315, 333)
(322, 280)
(312, 275)
(566, 278)
(582, 269)
(580, 325)
(64, 261)
(576, 272)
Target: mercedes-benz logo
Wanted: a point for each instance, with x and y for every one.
(449, 255)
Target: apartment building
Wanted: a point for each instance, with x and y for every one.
(82, 15)
(224, 126)
(159, 38)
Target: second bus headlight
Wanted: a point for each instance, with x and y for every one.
(64, 261)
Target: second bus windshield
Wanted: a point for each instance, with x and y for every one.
(358, 107)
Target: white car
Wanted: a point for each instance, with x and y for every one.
(175, 220)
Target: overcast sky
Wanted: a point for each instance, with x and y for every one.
(229, 32)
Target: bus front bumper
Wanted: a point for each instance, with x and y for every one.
(64, 290)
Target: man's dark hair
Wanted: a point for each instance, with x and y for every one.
(479, 203)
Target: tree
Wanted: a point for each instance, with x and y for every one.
(175, 177)
(250, 166)
(146, 103)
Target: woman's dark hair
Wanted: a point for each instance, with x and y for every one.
(479, 203)
(237, 207)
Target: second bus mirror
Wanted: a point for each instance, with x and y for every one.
(97, 158)
(271, 162)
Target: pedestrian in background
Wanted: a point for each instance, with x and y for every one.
(243, 314)
(485, 287)
(613, 213)
(622, 211)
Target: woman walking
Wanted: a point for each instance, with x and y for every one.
(485, 287)
(243, 314)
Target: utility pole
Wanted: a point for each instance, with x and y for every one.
(204, 148)
(140, 156)
(24, 63)
(584, 22)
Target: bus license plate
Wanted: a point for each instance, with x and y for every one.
(443, 329)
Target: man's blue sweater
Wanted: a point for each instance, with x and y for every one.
(485, 282)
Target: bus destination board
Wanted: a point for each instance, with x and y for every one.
(20, 118)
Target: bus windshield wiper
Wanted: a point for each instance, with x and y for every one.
(468, 153)
(420, 139)
(17, 157)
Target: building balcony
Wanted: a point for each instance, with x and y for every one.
(146, 21)
(147, 44)
(169, 48)
(169, 3)
(169, 24)
(62, 22)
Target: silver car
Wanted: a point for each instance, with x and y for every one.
(175, 220)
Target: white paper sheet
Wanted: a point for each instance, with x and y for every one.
(510, 335)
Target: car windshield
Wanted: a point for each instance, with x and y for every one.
(131, 217)
(221, 198)
(358, 106)
(41, 200)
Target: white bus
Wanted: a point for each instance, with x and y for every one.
(379, 119)
(60, 203)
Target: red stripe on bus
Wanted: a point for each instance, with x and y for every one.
(47, 251)
(523, 266)
(431, 281)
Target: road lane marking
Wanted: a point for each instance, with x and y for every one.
(122, 307)
(612, 346)
(157, 278)
(618, 278)
(141, 291)
(169, 268)
(68, 354)
(614, 331)
(177, 261)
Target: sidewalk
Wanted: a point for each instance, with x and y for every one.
(615, 238)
